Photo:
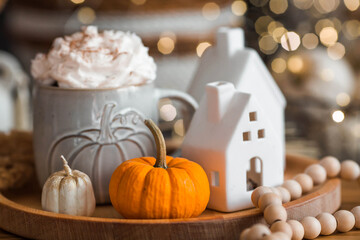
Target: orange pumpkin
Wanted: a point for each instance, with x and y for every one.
(164, 187)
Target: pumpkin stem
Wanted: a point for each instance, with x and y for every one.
(106, 136)
(66, 166)
(160, 144)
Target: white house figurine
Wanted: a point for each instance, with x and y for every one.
(237, 133)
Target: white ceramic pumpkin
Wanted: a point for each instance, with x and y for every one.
(97, 152)
(69, 192)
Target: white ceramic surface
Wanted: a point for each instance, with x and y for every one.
(96, 130)
(232, 137)
(237, 135)
(229, 60)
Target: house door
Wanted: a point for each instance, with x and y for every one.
(254, 174)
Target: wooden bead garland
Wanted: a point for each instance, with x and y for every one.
(244, 234)
(276, 191)
(294, 188)
(297, 229)
(309, 227)
(332, 166)
(305, 182)
(317, 173)
(356, 212)
(312, 227)
(345, 220)
(258, 231)
(257, 193)
(275, 213)
(285, 194)
(350, 170)
(282, 226)
(267, 199)
(277, 236)
(328, 223)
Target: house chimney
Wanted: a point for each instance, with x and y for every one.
(229, 40)
(219, 95)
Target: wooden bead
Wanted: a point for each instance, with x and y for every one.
(244, 234)
(345, 220)
(327, 222)
(282, 226)
(294, 188)
(257, 193)
(312, 227)
(350, 170)
(305, 182)
(317, 173)
(274, 213)
(331, 165)
(276, 191)
(267, 199)
(257, 232)
(356, 212)
(285, 194)
(297, 229)
(277, 236)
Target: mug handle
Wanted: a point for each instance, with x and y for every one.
(178, 95)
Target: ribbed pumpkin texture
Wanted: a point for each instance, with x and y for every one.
(161, 187)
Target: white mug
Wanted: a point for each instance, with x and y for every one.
(95, 129)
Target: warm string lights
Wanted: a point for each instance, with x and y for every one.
(274, 36)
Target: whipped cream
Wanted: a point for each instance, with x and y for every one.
(90, 59)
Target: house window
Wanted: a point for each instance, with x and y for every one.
(246, 136)
(253, 116)
(215, 179)
(261, 133)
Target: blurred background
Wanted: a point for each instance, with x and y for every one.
(312, 48)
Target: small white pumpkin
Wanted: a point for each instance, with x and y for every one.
(69, 192)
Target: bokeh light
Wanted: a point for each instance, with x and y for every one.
(336, 51)
(138, 2)
(262, 23)
(351, 29)
(168, 112)
(323, 23)
(290, 41)
(310, 41)
(267, 44)
(278, 65)
(326, 6)
(211, 11)
(239, 8)
(179, 127)
(295, 64)
(338, 116)
(303, 4)
(86, 15)
(166, 45)
(337, 24)
(77, 1)
(278, 33)
(258, 3)
(352, 5)
(201, 47)
(327, 74)
(343, 99)
(278, 6)
(328, 36)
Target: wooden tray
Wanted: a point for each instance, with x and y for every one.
(21, 214)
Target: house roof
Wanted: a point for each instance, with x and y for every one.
(203, 128)
(229, 61)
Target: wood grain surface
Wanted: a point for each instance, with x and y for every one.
(20, 213)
